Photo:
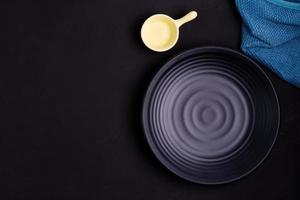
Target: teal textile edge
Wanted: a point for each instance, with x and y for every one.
(287, 4)
(271, 35)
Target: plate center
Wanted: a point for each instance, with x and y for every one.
(208, 115)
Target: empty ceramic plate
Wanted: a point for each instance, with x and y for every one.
(211, 115)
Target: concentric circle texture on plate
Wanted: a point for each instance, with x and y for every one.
(211, 115)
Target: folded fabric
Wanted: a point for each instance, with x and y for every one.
(271, 35)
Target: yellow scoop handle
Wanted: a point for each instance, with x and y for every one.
(188, 17)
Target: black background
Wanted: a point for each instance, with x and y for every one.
(72, 78)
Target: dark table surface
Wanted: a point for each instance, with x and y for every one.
(72, 78)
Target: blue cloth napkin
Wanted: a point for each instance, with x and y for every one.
(271, 35)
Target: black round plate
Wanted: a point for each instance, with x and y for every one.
(211, 115)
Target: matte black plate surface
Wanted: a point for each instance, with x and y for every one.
(211, 115)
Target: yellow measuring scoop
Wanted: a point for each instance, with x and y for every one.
(160, 32)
